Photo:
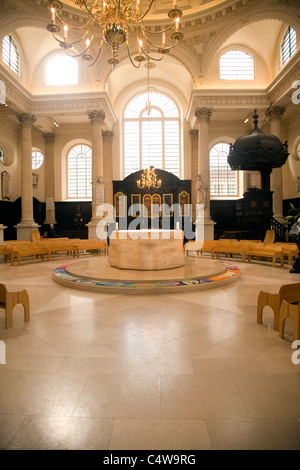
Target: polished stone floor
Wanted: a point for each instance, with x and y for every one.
(186, 371)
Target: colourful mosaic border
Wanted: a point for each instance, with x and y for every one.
(61, 276)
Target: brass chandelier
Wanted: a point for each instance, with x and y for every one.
(149, 179)
(111, 22)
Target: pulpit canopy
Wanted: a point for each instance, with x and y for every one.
(257, 151)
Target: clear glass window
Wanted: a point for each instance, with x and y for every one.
(10, 54)
(61, 70)
(289, 45)
(37, 160)
(151, 134)
(236, 65)
(223, 180)
(79, 164)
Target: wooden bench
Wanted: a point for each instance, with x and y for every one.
(263, 250)
(5, 251)
(8, 300)
(28, 249)
(200, 247)
(91, 244)
(292, 312)
(232, 247)
(290, 250)
(288, 292)
(57, 245)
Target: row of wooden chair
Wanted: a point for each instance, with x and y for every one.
(44, 248)
(250, 248)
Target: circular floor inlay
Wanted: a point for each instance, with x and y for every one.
(96, 274)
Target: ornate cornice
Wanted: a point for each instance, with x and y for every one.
(282, 84)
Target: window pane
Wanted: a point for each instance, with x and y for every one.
(152, 147)
(289, 45)
(10, 55)
(131, 147)
(236, 65)
(172, 147)
(62, 70)
(152, 139)
(80, 172)
(37, 160)
(223, 180)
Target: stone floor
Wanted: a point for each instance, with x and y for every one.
(186, 371)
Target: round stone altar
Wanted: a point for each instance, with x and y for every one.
(146, 250)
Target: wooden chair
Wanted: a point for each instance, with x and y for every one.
(269, 236)
(8, 300)
(291, 311)
(288, 292)
(35, 235)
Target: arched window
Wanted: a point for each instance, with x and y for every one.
(79, 166)
(37, 160)
(236, 65)
(152, 134)
(10, 54)
(288, 46)
(61, 70)
(223, 180)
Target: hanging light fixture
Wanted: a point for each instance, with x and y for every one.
(149, 179)
(111, 21)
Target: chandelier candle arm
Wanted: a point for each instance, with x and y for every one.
(114, 19)
(149, 179)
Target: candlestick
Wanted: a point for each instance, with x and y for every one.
(65, 32)
(53, 14)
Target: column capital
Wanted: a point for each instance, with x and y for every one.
(193, 133)
(26, 119)
(49, 138)
(275, 112)
(107, 135)
(96, 115)
(203, 114)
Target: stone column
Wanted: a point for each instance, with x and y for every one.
(275, 114)
(27, 223)
(2, 227)
(203, 116)
(108, 165)
(98, 183)
(194, 169)
(49, 179)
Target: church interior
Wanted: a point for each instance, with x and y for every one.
(180, 120)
